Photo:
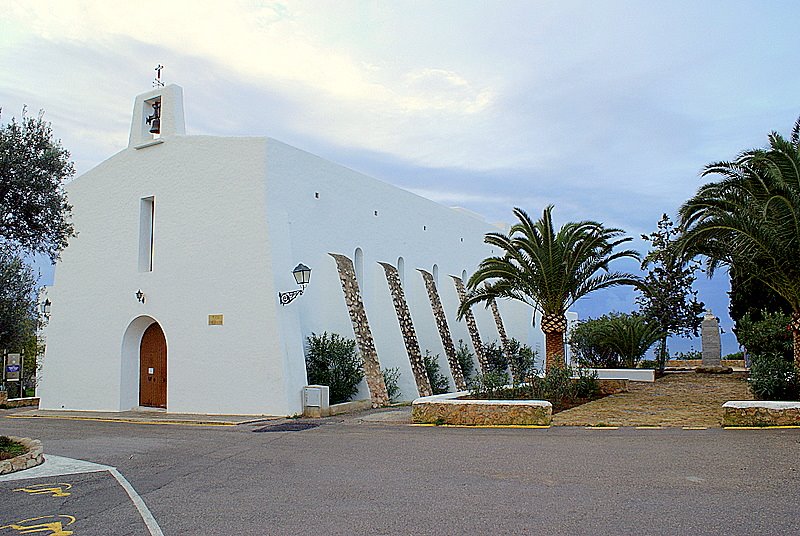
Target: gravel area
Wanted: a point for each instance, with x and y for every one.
(677, 399)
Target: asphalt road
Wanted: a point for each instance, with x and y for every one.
(347, 478)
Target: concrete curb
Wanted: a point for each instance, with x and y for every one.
(32, 458)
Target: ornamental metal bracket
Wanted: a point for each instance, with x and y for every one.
(288, 297)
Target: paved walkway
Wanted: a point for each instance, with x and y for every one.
(677, 399)
(139, 417)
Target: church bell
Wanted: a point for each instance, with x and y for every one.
(154, 120)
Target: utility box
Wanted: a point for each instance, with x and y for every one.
(316, 401)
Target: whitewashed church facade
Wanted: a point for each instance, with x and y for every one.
(168, 296)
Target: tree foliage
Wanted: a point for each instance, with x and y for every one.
(18, 312)
(34, 212)
(666, 297)
(749, 220)
(615, 340)
(549, 270)
(333, 360)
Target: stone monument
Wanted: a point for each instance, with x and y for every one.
(712, 350)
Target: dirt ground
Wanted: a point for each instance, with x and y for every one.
(677, 399)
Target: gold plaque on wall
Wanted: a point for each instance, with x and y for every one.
(215, 320)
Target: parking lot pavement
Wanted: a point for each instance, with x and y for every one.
(357, 476)
(66, 496)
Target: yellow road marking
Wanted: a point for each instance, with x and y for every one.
(695, 427)
(130, 421)
(759, 427)
(55, 528)
(59, 489)
(601, 427)
(649, 427)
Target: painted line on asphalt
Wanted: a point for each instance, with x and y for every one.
(649, 427)
(601, 427)
(144, 511)
(783, 427)
(128, 421)
(694, 428)
(60, 466)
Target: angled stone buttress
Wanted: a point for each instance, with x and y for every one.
(444, 329)
(366, 344)
(407, 329)
(472, 326)
(501, 329)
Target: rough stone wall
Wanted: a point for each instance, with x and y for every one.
(32, 458)
(444, 330)
(366, 344)
(472, 326)
(407, 330)
(761, 416)
(481, 413)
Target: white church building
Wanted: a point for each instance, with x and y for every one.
(169, 295)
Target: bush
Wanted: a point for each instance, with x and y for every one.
(521, 360)
(496, 360)
(466, 360)
(489, 385)
(332, 360)
(614, 340)
(439, 382)
(772, 377)
(390, 378)
(689, 355)
(769, 336)
(10, 449)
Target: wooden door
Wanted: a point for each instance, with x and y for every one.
(153, 368)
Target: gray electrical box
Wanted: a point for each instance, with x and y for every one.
(315, 401)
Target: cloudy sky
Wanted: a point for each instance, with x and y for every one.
(606, 109)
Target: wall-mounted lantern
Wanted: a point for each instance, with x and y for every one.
(302, 274)
(140, 297)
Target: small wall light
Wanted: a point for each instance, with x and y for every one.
(302, 274)
(140, 296)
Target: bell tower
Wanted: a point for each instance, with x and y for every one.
(157, 115)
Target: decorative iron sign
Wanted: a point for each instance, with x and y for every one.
(13, 367)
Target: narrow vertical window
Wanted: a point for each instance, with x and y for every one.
(146, 217)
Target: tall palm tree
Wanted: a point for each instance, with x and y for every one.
(549, 270)
(750, 219)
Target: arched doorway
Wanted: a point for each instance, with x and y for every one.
(153, 368)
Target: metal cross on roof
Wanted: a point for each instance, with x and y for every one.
(157, 82)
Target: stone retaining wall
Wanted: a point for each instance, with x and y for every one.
(738, 363)
(450, 409)
(21, 402)
(32, 458)
(3, 397)
(760, 413)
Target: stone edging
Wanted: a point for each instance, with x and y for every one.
(32, 458)
(449, 409)
(760, 413)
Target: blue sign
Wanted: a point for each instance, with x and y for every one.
(12, 368)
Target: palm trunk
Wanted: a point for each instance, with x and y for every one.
(795, 325)
(554, 349)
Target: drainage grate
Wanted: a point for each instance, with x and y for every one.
(287, 427)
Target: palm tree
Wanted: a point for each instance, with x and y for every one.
(629, 336)
(549, 271)
(749, 221)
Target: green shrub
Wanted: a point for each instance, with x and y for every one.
(496, 360)
(521, 360)
(332, 360)
(614, 340)
(689, 355)
(10, 449)
(648, 364)
(489, 385)
(586, 385)
(772, 377)
(439, 382)
(390, 378)
(466, 360)
(735, 356)
(769, 336)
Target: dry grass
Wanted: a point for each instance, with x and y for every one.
(678, 399)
